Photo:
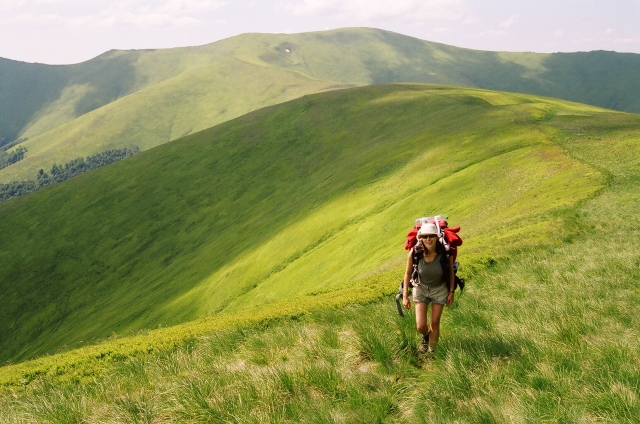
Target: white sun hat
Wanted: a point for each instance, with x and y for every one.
(427, 229)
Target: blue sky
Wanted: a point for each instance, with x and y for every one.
(71, 31)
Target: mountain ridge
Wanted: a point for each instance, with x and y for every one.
(205, 88)
(164, 237)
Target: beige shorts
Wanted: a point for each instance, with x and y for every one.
(426, 294)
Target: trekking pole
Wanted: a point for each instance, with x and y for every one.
(398, 304)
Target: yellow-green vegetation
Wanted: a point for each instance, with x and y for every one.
(546, 331)
(84, 364)
(291, 200)
(148, 97)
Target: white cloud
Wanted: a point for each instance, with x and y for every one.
(508, 22)
(380, 10)
(558, 33)
(492, 33)
(6, 5)
(469, 20)
(609, 31)
(29, 18)
(145, 13)
(112, 18)
(627, 41)
(186, 7)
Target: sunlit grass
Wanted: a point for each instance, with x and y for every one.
(518, 347)
(546, 331)
(294, 200)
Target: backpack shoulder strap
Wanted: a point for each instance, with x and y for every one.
(415, 257)
(444, 263)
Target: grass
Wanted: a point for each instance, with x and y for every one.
(82, 365)
(280, 203)
(500, 359)
(546, 331)
(186, 103)
(149, 97)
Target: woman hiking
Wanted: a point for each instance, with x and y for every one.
(434, 284)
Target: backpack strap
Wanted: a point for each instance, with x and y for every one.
(444, 263)
(415, 275)
(457, 281)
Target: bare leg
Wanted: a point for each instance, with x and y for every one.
(436, 313)
(421, 319)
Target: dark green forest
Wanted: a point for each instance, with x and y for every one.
(7, 159)
(58, 173)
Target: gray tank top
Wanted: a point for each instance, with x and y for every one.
(430, 272)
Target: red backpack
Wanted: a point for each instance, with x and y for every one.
(448, 236)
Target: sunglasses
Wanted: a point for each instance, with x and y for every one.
(428, 236)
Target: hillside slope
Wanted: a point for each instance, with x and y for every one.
(146, 98)
(291, 200)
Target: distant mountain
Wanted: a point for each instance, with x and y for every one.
(148, 97)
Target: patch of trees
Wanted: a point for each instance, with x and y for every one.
(7, 159)
(5, 145)
(61, 173)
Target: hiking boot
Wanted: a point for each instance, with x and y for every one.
(424, 344)
(429, 355)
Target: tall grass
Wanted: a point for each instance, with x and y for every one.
(549, 336)
(319, 369)
(523, 344)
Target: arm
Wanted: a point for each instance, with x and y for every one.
(405, 283)
(452, 282)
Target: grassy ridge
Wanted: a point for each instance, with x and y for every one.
(36, 98)
(17, 106)
(290, 200)
(149, 97)
(166, 111)
(549, 334)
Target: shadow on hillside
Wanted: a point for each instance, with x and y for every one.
(27, 89)
(111, 76)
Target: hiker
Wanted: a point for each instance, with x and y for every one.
(435, 284)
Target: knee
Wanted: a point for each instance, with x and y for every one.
(422, 327)
(435, 325)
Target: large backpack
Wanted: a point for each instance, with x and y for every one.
(448, 237)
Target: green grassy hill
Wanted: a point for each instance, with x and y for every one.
(148, 97)
(547, 330)
(293, 200)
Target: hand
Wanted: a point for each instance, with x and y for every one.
(406, 302)
(450, 299)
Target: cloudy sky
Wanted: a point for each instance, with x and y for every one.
(71, 31)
